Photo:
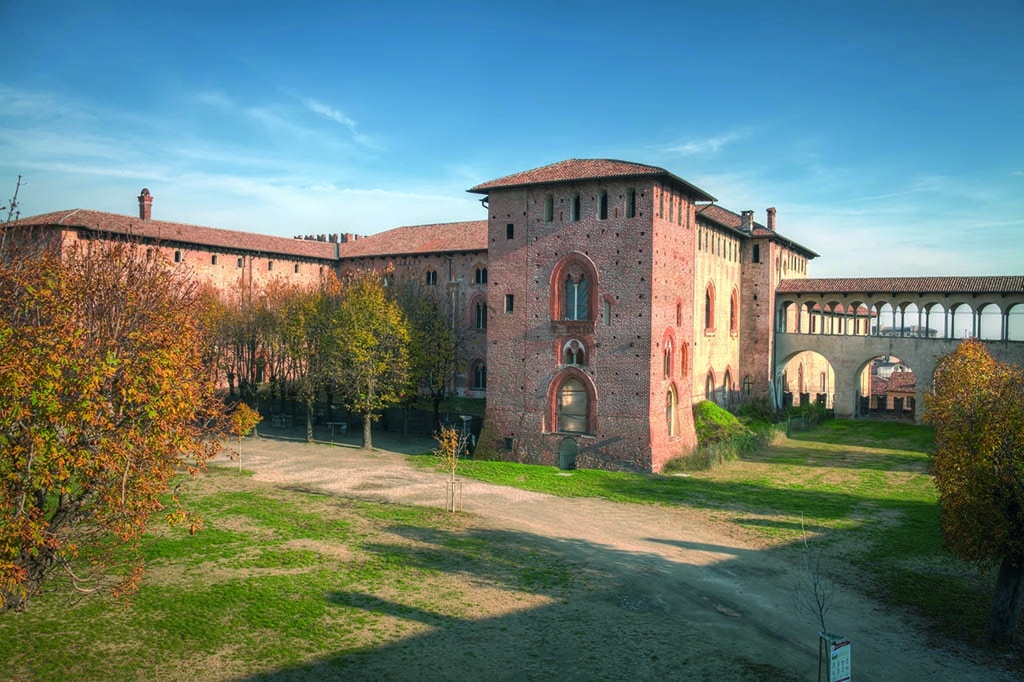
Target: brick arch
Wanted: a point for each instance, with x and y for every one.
(574, 265)
(668, 350)
(554, 390)
(563, 344)
(471, 310)
(476, 364)
(709, 306)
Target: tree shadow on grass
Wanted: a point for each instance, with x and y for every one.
(517, 606)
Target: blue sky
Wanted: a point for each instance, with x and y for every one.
(890, 136)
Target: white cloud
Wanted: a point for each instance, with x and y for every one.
(709, 145)
(340, 117)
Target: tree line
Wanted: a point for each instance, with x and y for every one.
(110, 363)
(367, 341)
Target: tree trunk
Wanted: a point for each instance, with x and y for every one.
(367, 436)
(1007, 602)
(309, 420)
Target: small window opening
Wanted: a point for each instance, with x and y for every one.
(213, 259)
(510, 231)
(631, 203)
(602, 206)
(574, 213)
(177, 256)
(549, 208)
(509, 303)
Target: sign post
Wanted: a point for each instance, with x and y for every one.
(836, 652)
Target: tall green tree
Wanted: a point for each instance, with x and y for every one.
(435, 340)
(977, 410)
(304, 315)
(105, 398)
(367, 357)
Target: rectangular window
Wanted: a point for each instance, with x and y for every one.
(631, 203)
(756, 255)
(241, 262)
(549, 208)
(510, 231)
(177, 256)
(509, 303)
(270, 265)
(213, 259)
(602, 207)
(296, 268)
(607, 313)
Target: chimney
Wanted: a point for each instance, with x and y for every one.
(145, 205)
(771, 219)
(747, 221)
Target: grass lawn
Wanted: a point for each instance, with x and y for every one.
(280, 577)
(860, 489)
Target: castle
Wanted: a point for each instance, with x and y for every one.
(600, 299)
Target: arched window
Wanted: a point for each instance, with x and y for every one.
(431, 277)
(480, 314)
(670, 410)
(573, 293)
(668, 358)
(479, 376)
(574, 353)
(734, 313)
(748, 386)
(683, 359)
(576, 296)
(709, 308)
(709, 386)
(572, 407)
(480, 276)
(602, 206)
(727, 387)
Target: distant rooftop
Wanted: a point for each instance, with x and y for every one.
(575, 170)
(909, 285)
(167, 232)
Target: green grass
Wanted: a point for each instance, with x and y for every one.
(860, 488)
(279, 578)
(276, 578)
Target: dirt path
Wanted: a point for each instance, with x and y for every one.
(679, 594)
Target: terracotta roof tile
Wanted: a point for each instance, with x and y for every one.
(181, 233)
(574, 170)
(900, 285)
(902, 381)
(437, 238)
(734, 221)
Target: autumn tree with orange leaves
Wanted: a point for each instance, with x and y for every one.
(977, 410)
(105, 399)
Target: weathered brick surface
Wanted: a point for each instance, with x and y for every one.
(647, 350)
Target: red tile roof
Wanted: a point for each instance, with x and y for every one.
(902, 382)
(573, 170)
(900, 285)
(734, 221)
(181, 233)
(418, 239)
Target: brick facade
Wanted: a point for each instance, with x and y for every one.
(595, 301)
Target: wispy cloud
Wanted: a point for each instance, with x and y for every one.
(338, 116)
(710, 145)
